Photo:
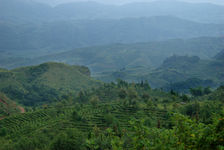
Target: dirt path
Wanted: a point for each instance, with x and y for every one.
(2, 118)
(22, 110)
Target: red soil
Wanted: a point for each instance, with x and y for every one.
(2, 101)
(22, 110)
(2, 118)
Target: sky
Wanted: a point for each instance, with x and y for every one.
(54, 2)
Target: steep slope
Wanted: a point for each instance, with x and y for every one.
(44, 83)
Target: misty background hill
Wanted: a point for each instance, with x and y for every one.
(62, 35)
(134, 37)
(117, 2)
(117, 56)
(31, 11)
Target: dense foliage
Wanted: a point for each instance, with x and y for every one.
(119, 116)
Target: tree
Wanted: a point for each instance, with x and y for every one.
(145, 96)
(94, 101)
(185, 98)
(196, 91)
(82, 97)
(76, 116)
(71, 139)
(207, 90)
(3, 131)
(122, 94)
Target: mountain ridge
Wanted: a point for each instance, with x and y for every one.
(190, 11)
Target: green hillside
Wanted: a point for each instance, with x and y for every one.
(44, 83)
(94, 76)
(120, 115)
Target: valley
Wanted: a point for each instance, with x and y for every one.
(93, 75)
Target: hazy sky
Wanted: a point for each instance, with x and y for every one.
(124, 1)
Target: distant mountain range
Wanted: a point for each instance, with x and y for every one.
(117, 56)
(30, 11)
(30, 29)
(119, 2)
(65, 35)
(137, 38)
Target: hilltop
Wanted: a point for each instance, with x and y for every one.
(181, 68)
(44, 83)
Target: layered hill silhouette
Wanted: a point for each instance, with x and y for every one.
(118, 56)
(56, 36)
(30, 11)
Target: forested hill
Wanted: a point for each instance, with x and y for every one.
(176, 72)
(44, 83)
(180, 68)
(91, 76)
